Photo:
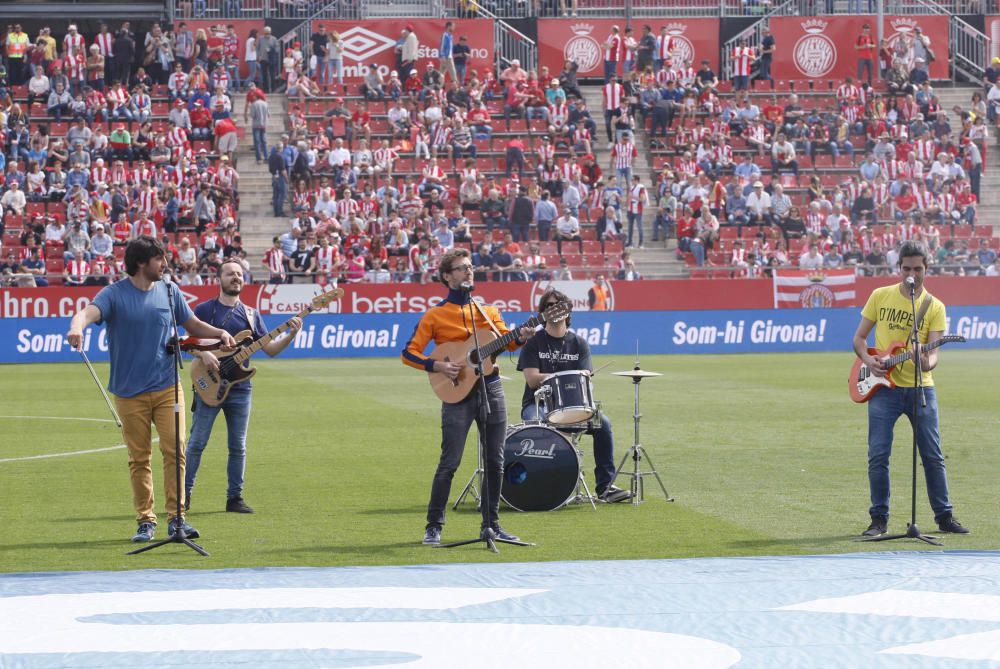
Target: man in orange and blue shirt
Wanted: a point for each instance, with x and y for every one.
(453, 320)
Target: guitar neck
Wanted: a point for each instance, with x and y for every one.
(245, 352)
(908, 355)
(500, 343)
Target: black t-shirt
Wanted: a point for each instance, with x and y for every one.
(319, 44)
(550, 354)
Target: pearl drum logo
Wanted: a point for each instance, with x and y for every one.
(814, 54)
(683, 48)
(583, 49)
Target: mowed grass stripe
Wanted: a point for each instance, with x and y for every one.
(765, 454)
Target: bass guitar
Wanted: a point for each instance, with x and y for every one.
(213, 386)
(863, 383)
(453, 391)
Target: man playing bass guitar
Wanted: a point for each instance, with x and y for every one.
(889, 311)
(230, 314)
(453, 320)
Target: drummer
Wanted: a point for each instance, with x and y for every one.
(558, 349)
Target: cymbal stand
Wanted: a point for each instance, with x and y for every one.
(637, 453)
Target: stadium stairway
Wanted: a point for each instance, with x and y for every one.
(654, 261)
(989, 189)
(257, 223)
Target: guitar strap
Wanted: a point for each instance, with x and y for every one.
(925, 304)
(486, 318)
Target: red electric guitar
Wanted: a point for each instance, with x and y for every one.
(862, 383)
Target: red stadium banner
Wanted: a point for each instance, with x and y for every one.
(582, 40)
(677, 295)
(368, 42)
(823, 47)
(216, 30)
(805, 289)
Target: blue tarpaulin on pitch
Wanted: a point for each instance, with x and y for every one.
(930, 610)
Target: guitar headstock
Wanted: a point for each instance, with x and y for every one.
(321, 301)
(953, 339)
(555, 312)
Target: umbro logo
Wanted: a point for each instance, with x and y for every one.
(360, 44)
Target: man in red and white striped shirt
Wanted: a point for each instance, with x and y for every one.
(664, 50)
(848, 93)
(347, 206)
(622, 155)
(77, 272)
(613, 51)
(274, 261)
(743, 58)
(613, 93)
(638, 199)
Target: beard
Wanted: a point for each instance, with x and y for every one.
(231, 290)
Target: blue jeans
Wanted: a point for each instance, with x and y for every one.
(260, 143)
(635, 220)
(251, 72)
(884, 409)
(236, 408)
(604, 449)
(610, 69)
(456, 420)
(279, 191)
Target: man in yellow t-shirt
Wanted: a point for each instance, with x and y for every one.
(890, 312)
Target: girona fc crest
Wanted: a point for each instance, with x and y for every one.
(814, 54)
(583, 49)
(683, 48)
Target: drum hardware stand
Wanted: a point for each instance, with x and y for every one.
(487, 534)
(470, 487)
(636, 451)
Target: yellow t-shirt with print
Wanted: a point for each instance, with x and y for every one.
(893, 317)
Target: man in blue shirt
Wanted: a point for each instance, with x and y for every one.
(446, 52)
(137, 311)
(230, 314)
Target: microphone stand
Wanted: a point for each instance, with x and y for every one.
(174, 347)
(487, 500)
(912, 531)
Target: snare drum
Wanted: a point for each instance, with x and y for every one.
(541, 469)
(570, 398)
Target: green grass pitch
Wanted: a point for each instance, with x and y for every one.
(765, 455)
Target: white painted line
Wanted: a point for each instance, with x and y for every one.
(64, 455)
(92, 420)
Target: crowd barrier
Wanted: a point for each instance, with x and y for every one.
(378, 320)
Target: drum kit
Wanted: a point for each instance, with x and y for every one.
(543, 464)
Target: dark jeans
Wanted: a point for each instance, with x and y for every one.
(514, 156)
(456, 419)
(543, 230)
(884, 409)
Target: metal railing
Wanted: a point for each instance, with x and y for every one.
(753, 34)
(970, 51)
(264, 9)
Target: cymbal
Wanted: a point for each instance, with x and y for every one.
(636, 374)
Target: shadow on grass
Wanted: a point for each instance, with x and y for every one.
(123, 543)
(351, 549)
(754, 544)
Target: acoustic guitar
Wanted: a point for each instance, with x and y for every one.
(453, 391)
(213, 386)
(862, 383)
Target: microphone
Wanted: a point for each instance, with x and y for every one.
(466, 287)
(911, 282)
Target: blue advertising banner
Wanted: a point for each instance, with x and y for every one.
(377, 335)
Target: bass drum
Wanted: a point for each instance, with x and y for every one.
(541, 468)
